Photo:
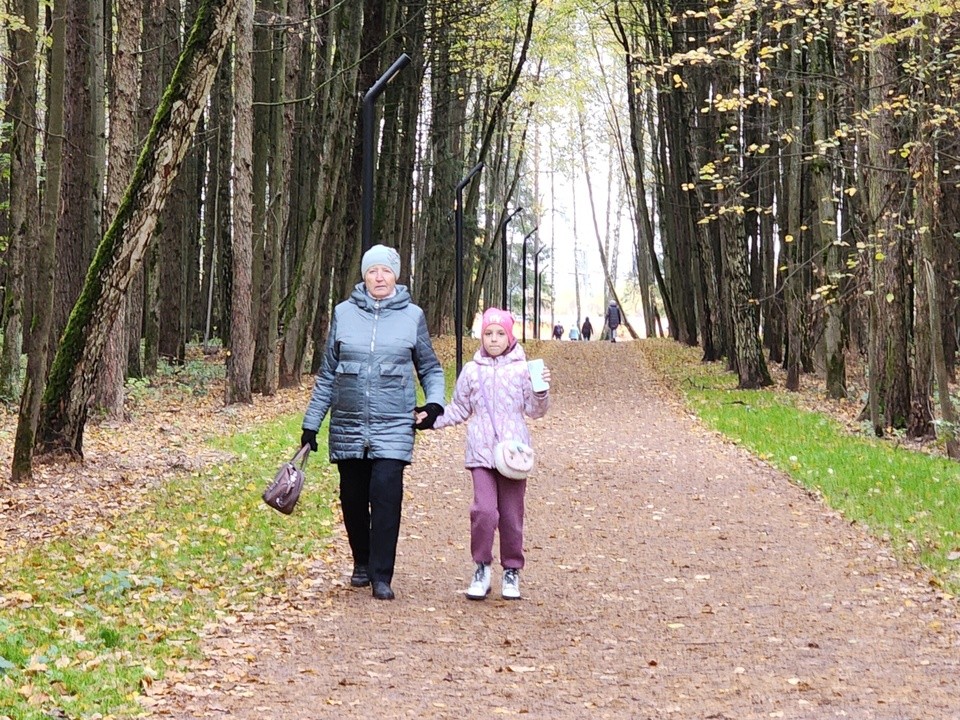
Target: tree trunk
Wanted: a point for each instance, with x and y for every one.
(947, 410)
(81, 215)
(822, 165)
(121, 251)
(174, 226)
(657, 196)
(929, 361)
(919, 423)
(889, 255)
(151, 310)
(290, 112)
(263, 252)
(948, 259)
(771, 303)
(575, 239)
(792, 205)
(746, 350)
(24, 219)
(437, 268)
(222, 214)
(209, 317)
(675, 241)
(42, 320)
(144, 319)
(240, 355)
(645, 255)
(265, 360)
(302, 149)
(122, 154)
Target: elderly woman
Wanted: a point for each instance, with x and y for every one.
(377, 338)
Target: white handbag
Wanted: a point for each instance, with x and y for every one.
(513, 459)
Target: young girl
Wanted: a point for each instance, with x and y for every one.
(494, 391)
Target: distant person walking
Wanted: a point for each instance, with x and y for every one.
(558, 332)
(574, 333)
(614, 318)
(586, 332)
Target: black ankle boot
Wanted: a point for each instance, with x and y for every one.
(360, 577)
(382, 591)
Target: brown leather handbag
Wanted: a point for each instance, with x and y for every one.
(282, 494)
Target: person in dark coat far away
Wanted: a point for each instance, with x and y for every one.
(587, 330)
(613, 319)
(376, 339)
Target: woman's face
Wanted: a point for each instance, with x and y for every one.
(380, 281)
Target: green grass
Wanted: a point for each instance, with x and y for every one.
(87, 622)
(907, 497)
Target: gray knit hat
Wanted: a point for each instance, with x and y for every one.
(380, 255)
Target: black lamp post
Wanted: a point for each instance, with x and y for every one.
(366, 207)
(523, 286)
(503, 256)
(458, 305)
(536, 293)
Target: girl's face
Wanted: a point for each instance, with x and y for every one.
(380, 281)
(494, 340)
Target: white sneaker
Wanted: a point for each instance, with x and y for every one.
(480, 587)
(511, 584)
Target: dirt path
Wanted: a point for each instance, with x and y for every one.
(669, 575)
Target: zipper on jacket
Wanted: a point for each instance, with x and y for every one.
(376, 320)
(493, 419)
(373, 346)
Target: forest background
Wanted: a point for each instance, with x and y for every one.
(772, 182)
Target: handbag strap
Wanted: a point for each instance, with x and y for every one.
(301, 456)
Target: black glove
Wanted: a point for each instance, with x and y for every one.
(309, 437)
(433, 411)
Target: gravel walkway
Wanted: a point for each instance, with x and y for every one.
(669, 575)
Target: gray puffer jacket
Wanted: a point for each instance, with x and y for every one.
(366, 379)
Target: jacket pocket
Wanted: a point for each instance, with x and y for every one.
(394, 386)
(346, 387)
(393, 377)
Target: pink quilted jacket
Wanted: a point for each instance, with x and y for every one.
(510, 395)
